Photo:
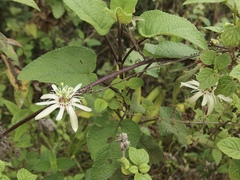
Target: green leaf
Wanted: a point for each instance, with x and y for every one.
(217, 156)
(30, 3)
(42, 166)
(202, 1)
(93, 12)
(2, 166)
(208, 56)
(133, 131)
(230, 146)
(100, 105)
(106, 162)
(138, 156)
(71, 65)
(152, 148)
(3, 42)
(57, 9)
(99, 137)
(160, 23)
(217, 29)
(234, 170)
(65, 163)
(135, 105)
(126, 5)
(133, 169)
(108, 94)
(226, 86)
(231, 36)
(24, 174)
(166, 126)
(125, 162)
(168, 49)
(235, 73)
(13, 108)
(135, 83)
(118, 84)
(121, 10)
(222, 61)
(140, 176)
(144, 168)
(120, 16)
(207, 78)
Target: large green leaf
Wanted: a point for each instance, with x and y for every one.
(168, 49)
(93, 12)
(70, 65)
(105, 151)
(234, 170)
(202, 1)
(160, 23)
(230, 146)
(28, 3)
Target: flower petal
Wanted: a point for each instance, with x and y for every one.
(227, 99)
(211, 102)
(49, 96)
(60, 113)
(46, 102)
(73, 118)
(191, 84)
(77, 88)
(85, 108)
(195, 97)
(46, 111)
(54, 87)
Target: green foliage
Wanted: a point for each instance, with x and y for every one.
(131, 61)
(93, 12)
(207, 78)
(160, 23)
(54, 66)
(28, 3)
(161, 50)
(230, 146)
(121, 10)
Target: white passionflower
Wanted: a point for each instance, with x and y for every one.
(65, 97)
(209, 98)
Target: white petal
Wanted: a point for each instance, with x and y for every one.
(73, 118)
(195, 97)
(77, 87)
(191, 84)
(49, 96)
(60, 113)
(75, 100)
(46, 111)
(85, 108)
(46, 103)
(211, 102)
(205, 100)
(227, 99)
(54, 87)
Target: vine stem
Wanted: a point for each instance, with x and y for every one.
(163, 61)
(18, 124)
